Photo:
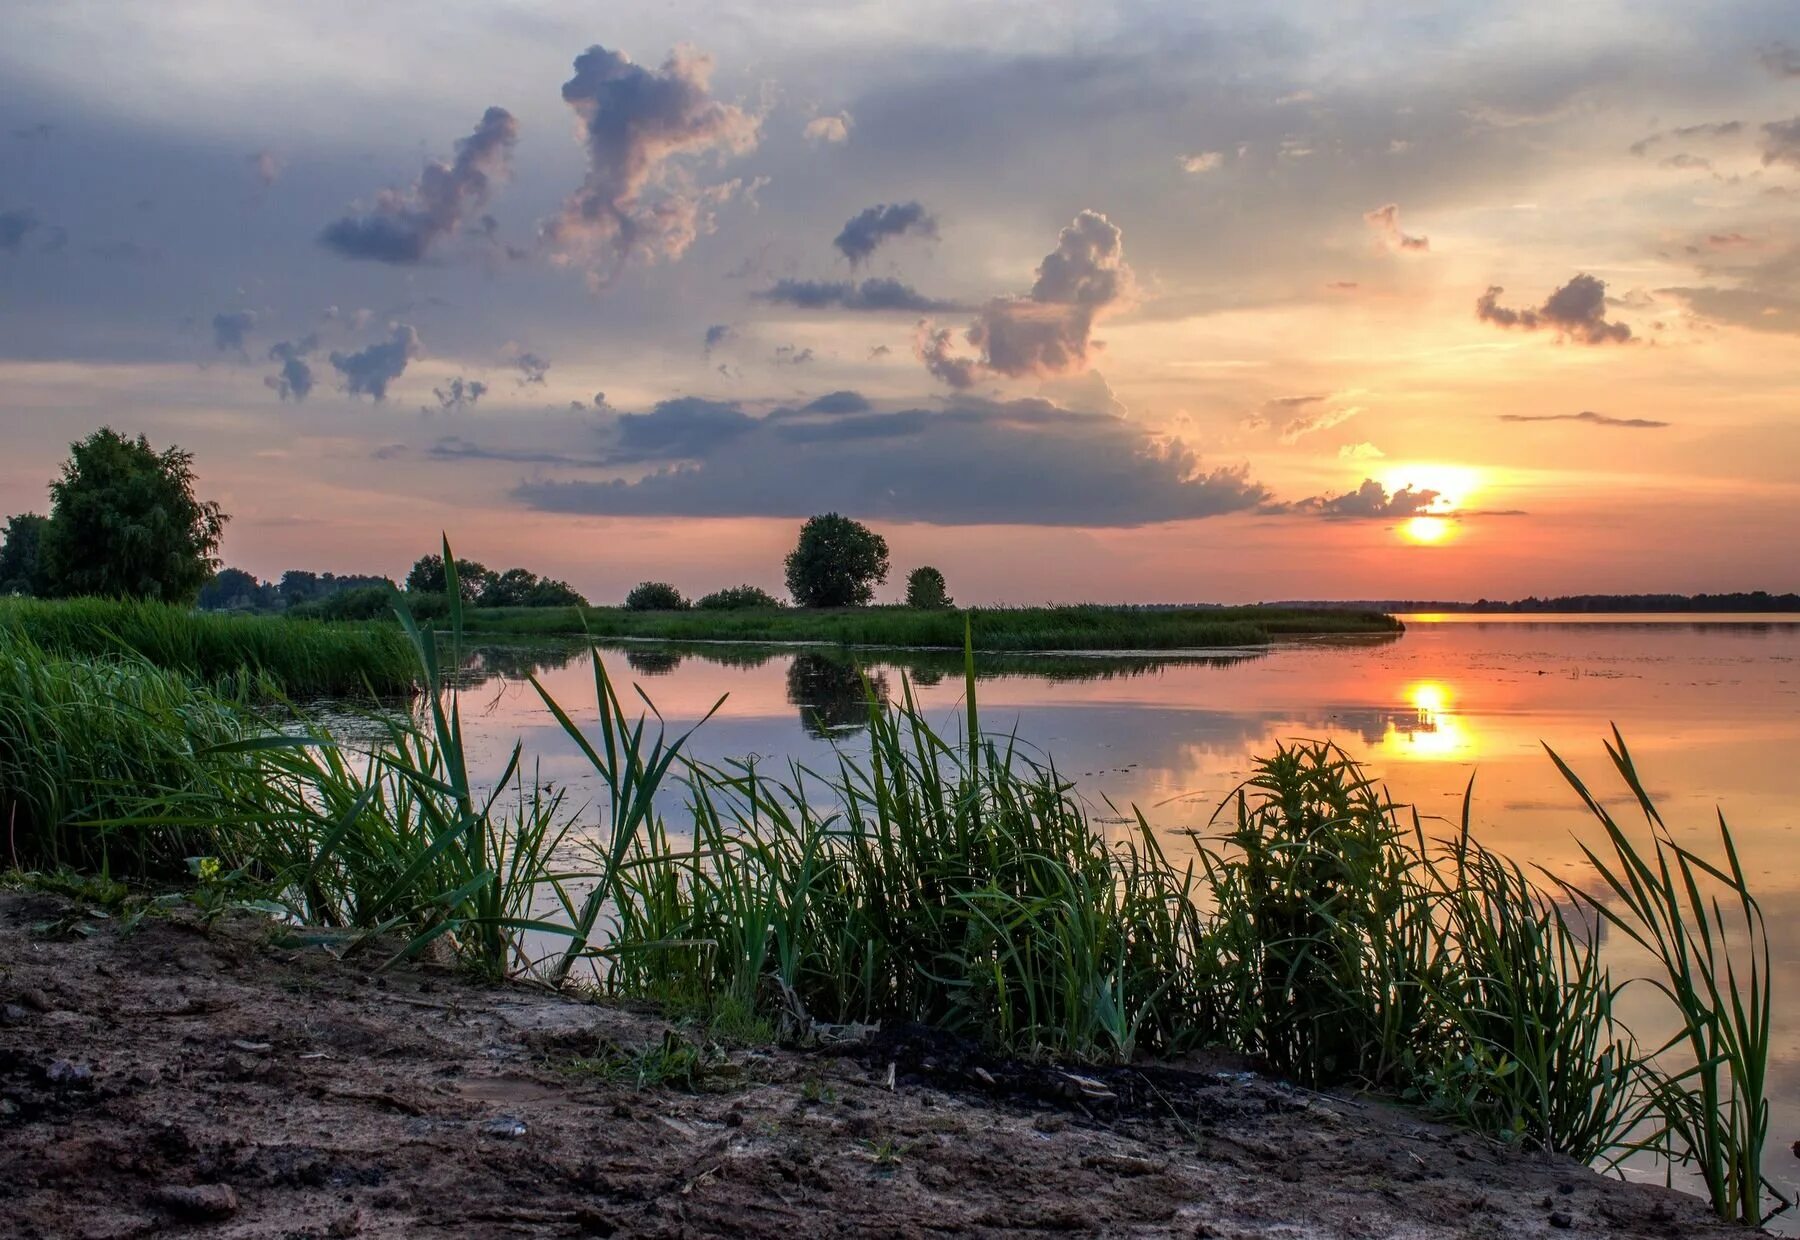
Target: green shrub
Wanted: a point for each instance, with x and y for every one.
(738, 598)
(655, 596)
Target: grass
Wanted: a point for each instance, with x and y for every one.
(991, 629)
(297, 660)
(949, 879)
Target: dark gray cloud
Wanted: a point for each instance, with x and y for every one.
(792, 355)
(1370, 501)
(1576, 311)
(403, 226)
(294, 381)
(15, 226)
(456, 448)
(532, 368)
(1781, 143)
(838, 402)
(231, 329)
(369, 371)
(1025, 462)
(1048, 331)
(716, 335)
(876, 295)
(1385, 220)
(1586, 415)
(634, 121)
(457, 395)
(868, 228)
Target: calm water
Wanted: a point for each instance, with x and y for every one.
(1711, 711)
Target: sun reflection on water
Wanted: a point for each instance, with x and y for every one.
(1433, 732)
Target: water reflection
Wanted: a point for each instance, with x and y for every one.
(833, 695)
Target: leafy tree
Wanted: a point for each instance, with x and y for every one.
(511, 588)
(124, 521)
(655, 596)
(19, 553)
(837, 563)
(233, 589)
(427, 577)
(925, 589)
(737, 598)
(549, 592)
(299, 586)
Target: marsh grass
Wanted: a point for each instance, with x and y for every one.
(298, 660)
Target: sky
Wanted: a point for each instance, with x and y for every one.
(1145, 301)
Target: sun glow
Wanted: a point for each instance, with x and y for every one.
(1427, 530)
(1454, 484)
(1434, 733)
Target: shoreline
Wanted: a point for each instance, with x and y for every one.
(230, 1076)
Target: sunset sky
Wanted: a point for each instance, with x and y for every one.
(1151, 301)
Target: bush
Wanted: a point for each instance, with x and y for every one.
(738, 598)
(655, 596)
(925, 589)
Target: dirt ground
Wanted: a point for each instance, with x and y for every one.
(184, 1081)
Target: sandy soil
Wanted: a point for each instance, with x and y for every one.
(181, 1081)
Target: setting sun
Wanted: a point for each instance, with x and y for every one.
(1426, 530)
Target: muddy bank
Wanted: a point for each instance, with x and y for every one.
(217, 1082)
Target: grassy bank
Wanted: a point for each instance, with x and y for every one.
(298, 660)
(992, 629)
(950, 880)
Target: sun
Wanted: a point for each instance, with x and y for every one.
(1454, 484)
(1427, 531)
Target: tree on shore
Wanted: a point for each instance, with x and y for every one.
(19, 547)
(427, 577)
(520, 587)
(837, 563)
(655, 596)
(925, 589)
(125, 523)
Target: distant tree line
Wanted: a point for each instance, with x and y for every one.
(1742, 601)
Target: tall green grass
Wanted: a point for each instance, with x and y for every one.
(300, 660)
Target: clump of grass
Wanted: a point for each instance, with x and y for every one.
(297, 660)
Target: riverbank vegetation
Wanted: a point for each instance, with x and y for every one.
(948, 879)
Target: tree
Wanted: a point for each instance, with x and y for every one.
(837, 563)
(738, 598)
(300, 586)
(19, 547)
(511, 588)
(549, 592)
(233, 589)
(655, 596)
(427, 577)
(925, 589)
(125, 522)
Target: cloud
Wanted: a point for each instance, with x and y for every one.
(15, 226)
(38, 132)
(369, 371)
(231, 329)
(1682, 160)
(295, 378)
(838, 402)
(974, 462)
(634, 122)
(1576, 311)
(403, 226)
(717, 335)
(1370, 501)
(457, 395)
(532, 368)
(1201, 161)
(1298, 428)
(791, 355)
(265, 166)
(1385, 220)
(876, 295)
(1586, 415)
(1781, 143)
(1781, 60)
(1360, 452)
(1712, 129)
(1048, 331)
(833, 129)
(868, 228)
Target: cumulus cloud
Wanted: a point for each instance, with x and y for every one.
(832, 129)
(1781, 143)
(1048, 331)
(231, 329)
(792, 355)
(369, 371)
(1586, 415)
(1360, 452)
(294, 381)
(532, 368)
(717, 335)
(458, 394)
(1576, 311)
(1385, 220)
(1369, 501)
(635, 123)
(868, 228)
(974, 462)
(879, 293)
(1201, 161)
(402, 226)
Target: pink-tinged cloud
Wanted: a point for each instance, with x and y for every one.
(1385, 220)
(1576, 311)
